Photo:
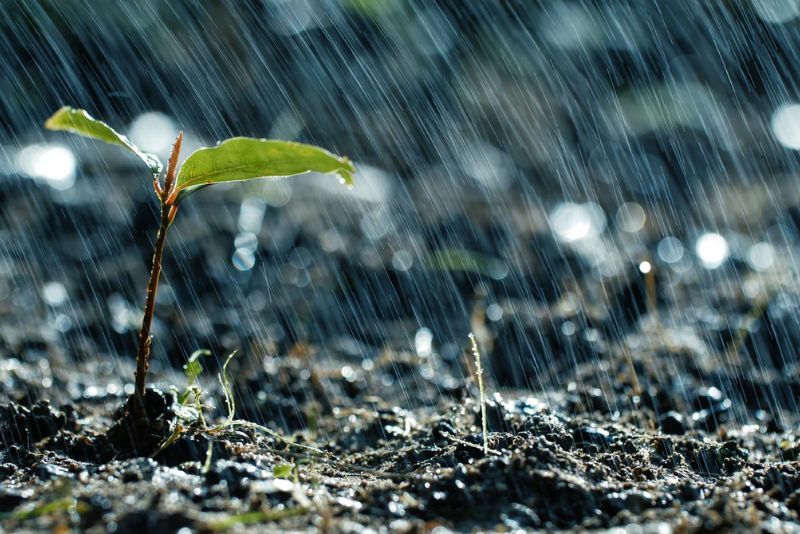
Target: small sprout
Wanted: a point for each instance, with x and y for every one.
(227, 522)
(189, 416)
(479, 375)
(193, 369)
(61, 501)
(230, 402)
(177, 432)
(209, 457)
(283, 471)
(236, 159)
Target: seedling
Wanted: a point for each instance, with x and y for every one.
(235, 159)
(479, 374)
(189, 410)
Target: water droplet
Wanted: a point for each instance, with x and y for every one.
(52, 163)
(62, 322)
(494, 312)
(251, 214)
(785, 125)
(670, 250)
(243, 259)
(423, 342)
(776, 11)
(300, 258)
(631, 217)
(572, 222)
(568, 328)
(54, 293)
(712, 249)
(761, 256)
(153, 132)
(348, 373)
(246, 241)
(402, 260)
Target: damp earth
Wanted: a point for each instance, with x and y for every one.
(604, 194)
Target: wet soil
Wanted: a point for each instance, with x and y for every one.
(355, 401)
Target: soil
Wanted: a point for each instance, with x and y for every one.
(355, 402)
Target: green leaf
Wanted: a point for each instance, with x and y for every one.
(283, 471)
(244, 158)
(458, 259)
(193, 369)
(80, 122)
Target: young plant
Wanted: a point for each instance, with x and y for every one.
(236, 159)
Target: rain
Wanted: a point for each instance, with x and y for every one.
(603, 194)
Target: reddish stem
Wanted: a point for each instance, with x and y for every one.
(169, 208)
(143, 353)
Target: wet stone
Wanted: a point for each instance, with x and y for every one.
(10, 498)
(592, 436)
(672, 423)
(442, 432)
(712, 409)
(774, 340)
(22, 425)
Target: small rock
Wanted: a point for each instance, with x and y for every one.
(672, 423)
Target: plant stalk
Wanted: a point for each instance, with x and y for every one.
(143, 352)
(167, 197)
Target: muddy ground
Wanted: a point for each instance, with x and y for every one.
(610, 402)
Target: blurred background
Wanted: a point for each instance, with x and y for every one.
(545, 173)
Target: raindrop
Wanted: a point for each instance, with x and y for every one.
(246, 241)
(258, 301)
(712, 249)
(251, 214)
(423, 342)
(785, 125)
(302, 279)
(568, 328)
(300, 258)
(62, 322)
(55, 164)
(331, 240)
(631, 217)
(153, 132)
(243, 259)
(376, 225)
(287, 125)
(572, 222)
(494, 312)
(670, 250)
(277, 194)
(348, 373)
(761, 256)
(776, 11)
(54, 293)
(288, 17)
(570, 26)
(402, 260)
(498, 269)
(487, 165)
